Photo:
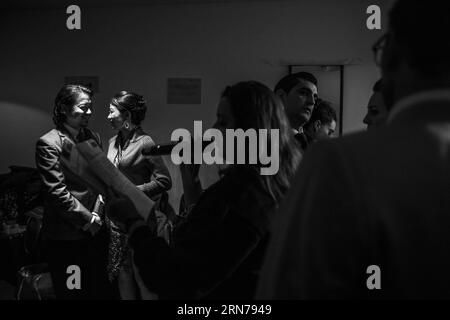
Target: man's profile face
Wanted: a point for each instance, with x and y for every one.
(78, 115)
(299, 103)
(376, 111)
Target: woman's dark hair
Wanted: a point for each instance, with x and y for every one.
(131, 102)
(65, 99)
(253, 105)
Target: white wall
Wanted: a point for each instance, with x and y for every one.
(138, 48)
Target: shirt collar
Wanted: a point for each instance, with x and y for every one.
(417, 98)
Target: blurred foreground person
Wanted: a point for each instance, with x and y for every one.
(374, 222)
(217, 252)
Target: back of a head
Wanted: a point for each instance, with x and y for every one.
(288, 82)
(254, 105)
(415, 24)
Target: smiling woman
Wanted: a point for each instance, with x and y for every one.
(126, 112)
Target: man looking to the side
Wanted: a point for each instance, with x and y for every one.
(298, 92)
(322, 124)
(71, 221)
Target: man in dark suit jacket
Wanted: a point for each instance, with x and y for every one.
(374, 222)
(71, 223)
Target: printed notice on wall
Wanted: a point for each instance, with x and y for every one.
(184, 91)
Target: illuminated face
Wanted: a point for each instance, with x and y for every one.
(80, 113)
(376, 111)
(299, 103)
(115, 117)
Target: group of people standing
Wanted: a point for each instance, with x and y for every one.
(75, 228)
(217, 249)
(250, 235)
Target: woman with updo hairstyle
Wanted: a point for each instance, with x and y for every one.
(126, 113)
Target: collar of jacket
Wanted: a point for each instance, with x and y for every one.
(138, 134)
(65, 134)
(442, 95)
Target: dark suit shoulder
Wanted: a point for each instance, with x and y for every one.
(51, 138)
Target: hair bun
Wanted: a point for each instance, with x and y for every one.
(141, 101)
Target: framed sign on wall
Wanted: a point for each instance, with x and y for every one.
(184, 91)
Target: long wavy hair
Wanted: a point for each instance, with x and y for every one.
(254, 105)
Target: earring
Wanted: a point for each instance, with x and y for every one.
(126, 124)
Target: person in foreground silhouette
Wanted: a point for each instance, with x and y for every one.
(374, 222)
(217, 252)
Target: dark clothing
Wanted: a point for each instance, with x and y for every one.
(303, 140)
(148, 173)
(382, 199)
(217, 253)
(68, 207)
(68, 203)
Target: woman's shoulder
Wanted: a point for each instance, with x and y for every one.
(144, 138)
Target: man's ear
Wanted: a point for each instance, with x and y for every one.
(317, 125)
(281, 94)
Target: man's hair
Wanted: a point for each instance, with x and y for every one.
(377, 86)
(415, 24)
(288, 82)
(66, 98)
(323, 111)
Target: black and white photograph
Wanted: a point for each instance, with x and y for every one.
(224, 156)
